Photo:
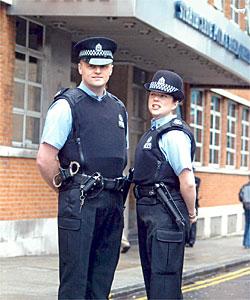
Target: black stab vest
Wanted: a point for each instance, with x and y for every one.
(150, 163)
(98, 138)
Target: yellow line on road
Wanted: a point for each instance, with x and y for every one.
(200, 284)
(216, 280)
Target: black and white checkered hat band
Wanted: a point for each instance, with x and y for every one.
(155, 85)
(94, 53)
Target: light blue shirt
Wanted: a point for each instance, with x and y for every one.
(58, 123)
(175, 145)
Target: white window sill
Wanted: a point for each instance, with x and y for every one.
(226, 170)
(6, 151)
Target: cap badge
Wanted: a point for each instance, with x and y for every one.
(161, 80)
(98, 47)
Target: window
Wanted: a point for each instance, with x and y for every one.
(234, 10)
(27, 84)
(196, 121)
(245, 140)
(231, 134)
(215, 126)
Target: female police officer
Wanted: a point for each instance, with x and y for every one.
(87, 127)
(164, 155)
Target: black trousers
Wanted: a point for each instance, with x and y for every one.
(89, 243)
(161, 247)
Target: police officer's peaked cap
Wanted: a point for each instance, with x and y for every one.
(166, 82)
(96, 50)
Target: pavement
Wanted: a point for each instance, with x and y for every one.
(36, 277)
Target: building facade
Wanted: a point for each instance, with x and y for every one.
(206, 42)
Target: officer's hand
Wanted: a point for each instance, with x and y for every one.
(193, 219)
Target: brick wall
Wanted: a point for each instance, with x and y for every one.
(242, 16)
(23, 194)
(219, 189)
(7, 59)
(227, 11)
(241, 93)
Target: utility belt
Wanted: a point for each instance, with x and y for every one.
(144, 191)
(149, 191)
(71, 172)
(89, 185)
(115, 184)
(161, 193)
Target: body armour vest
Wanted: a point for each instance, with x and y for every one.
(150, 163)
(98, 136)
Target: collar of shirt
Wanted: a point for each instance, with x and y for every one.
(156, 123)
(83, 87)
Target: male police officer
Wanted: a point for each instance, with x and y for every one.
(164, 158)
(86, 128)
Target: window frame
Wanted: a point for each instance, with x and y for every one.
(245, 139)
(214, 131)
(25, 112)
(234, 13)
(196, 127)
(231, 120)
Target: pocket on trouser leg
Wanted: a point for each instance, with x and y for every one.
(69, 203)
(167, 251)
(68, 234)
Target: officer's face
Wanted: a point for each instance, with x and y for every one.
(94, 76)
(161, 105)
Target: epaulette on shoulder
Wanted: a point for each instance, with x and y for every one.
(173, 124)
(117, 99)
(72, 95)
(60, 93)
(177, 122)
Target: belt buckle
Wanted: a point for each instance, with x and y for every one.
(151, 192)
(117, 183)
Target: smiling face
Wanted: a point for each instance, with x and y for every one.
(95, 77)
(161, 105)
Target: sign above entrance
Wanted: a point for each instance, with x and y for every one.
(211, 30)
